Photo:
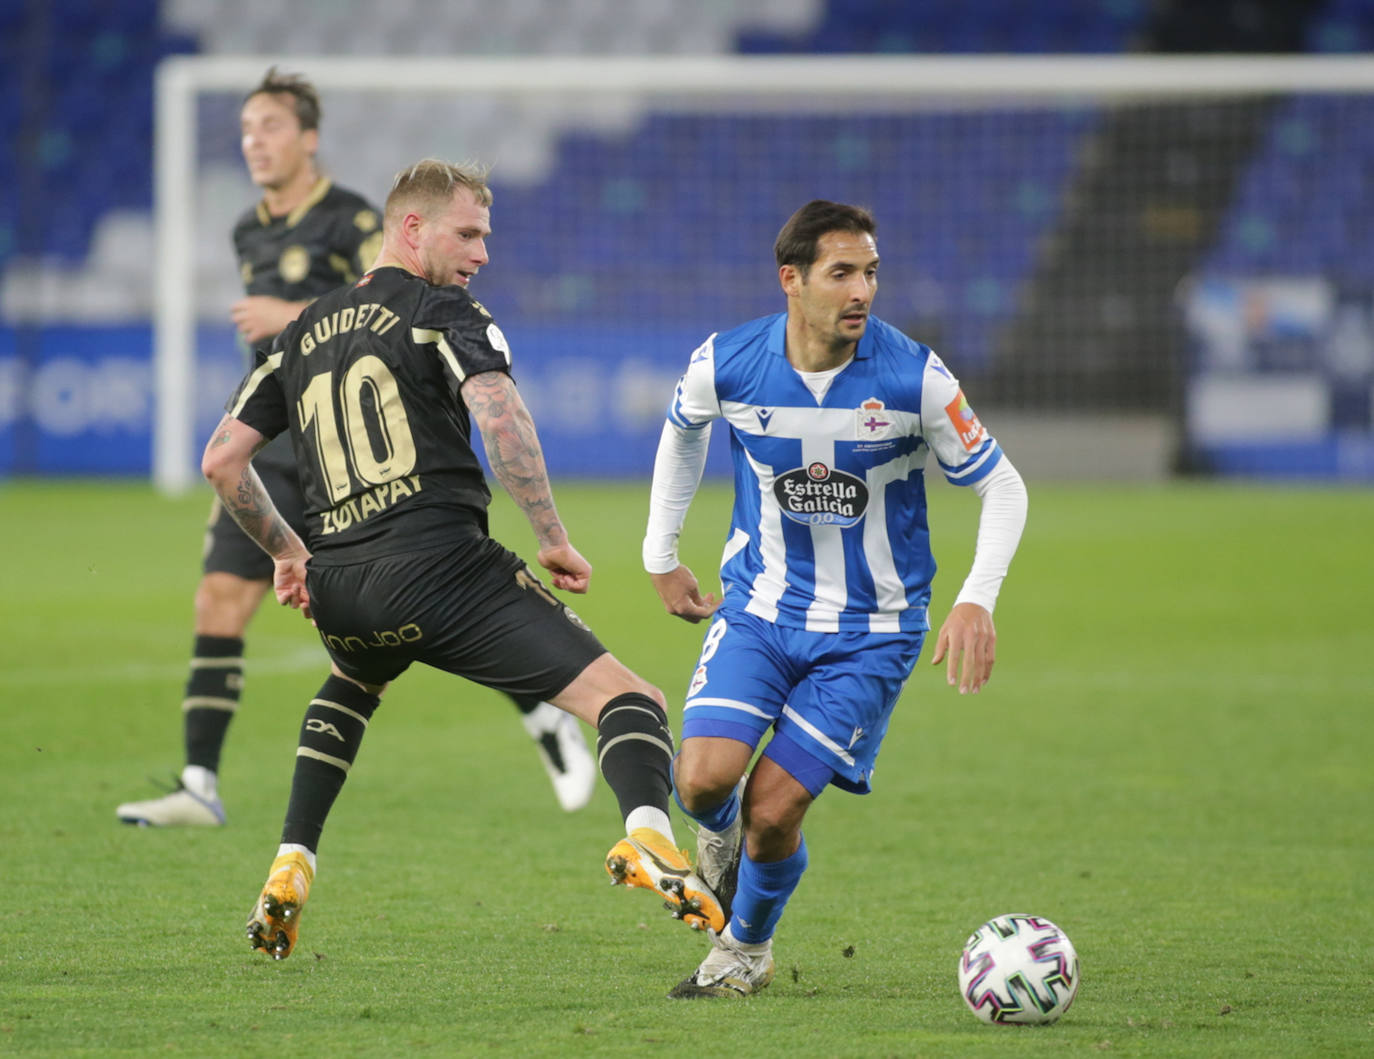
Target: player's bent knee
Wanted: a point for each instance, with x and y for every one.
(371, 689)
(606, 678)
(704, 780)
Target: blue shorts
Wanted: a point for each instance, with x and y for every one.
(828, 695)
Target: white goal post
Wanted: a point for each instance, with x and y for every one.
(923, 81)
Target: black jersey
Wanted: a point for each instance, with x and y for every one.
(366, 380)
(330, 239)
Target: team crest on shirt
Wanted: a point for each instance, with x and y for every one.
(966, 422)
(820, 495)
(294, 263)
(872, 420)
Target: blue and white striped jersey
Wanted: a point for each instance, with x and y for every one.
(829, 526)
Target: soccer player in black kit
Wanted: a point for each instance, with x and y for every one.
(305, 237)
(378, 385)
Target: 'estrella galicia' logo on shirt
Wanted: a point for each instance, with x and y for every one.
(765, 416)
(818, 495)
(871, 419)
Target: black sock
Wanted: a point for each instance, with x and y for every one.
(213, 688)
(634, 749)
(331, 733)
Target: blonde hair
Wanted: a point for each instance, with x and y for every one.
(428, 186)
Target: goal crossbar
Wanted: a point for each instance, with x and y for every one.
(181, 79)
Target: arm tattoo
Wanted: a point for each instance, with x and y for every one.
(247, 501)
(513, 451)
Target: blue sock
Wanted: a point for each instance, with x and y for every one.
(763, 893)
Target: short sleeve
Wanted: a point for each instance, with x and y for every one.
(467, 338)
(965, 450)
(695, 403)
(259, 400)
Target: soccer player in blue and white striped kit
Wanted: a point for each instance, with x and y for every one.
(826, 571)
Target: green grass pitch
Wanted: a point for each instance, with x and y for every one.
(1173, 761)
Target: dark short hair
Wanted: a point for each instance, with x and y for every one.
(305, 101)
(798, 243)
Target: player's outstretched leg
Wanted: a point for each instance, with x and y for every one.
(646, 859)
(635, 752)
(731, 969)
(563, 751)
(276, 918)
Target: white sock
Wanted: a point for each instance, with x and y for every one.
(751, 948)
(200, 781)
(648, 816)
(293, 847)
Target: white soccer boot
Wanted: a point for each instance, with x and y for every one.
(731, 969)
(194, 802)
(558, 737)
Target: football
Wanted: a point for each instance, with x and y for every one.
(1018, 969)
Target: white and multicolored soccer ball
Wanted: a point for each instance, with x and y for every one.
(1018, 969)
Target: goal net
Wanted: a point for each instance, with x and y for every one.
(1082, 239)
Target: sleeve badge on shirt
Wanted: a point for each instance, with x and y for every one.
(966, 423)
(498, 340)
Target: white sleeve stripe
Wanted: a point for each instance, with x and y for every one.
(266, 368)
(964, 470)
(422, 336)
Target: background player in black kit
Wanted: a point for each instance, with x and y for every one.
(305, 237)
(378, 385)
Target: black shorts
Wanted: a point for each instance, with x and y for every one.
(474, 609)
(228, 550)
